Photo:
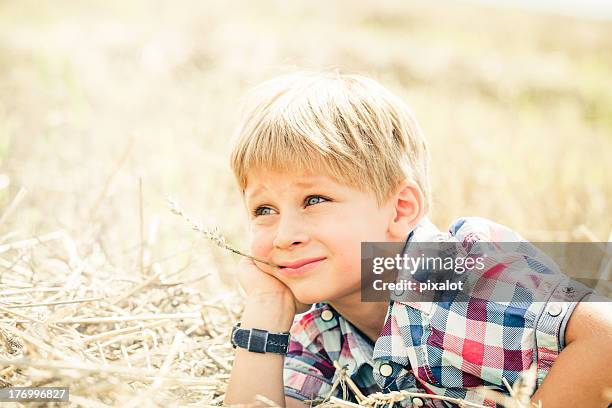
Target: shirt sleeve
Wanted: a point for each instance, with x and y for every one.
(552, 321)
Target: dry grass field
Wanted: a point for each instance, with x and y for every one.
(108, 107)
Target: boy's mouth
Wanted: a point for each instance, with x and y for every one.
(299, 263)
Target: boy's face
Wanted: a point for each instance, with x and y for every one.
(298, 217)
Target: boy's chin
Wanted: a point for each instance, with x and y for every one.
(310, 298)
(321, 293)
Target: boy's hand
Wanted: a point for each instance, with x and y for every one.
(256, 282)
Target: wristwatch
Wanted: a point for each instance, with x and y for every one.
(260, 341)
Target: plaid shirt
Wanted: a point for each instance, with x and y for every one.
(434, 347)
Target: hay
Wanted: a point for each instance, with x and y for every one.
(157, 343)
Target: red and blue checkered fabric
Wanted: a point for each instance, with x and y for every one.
(443, 348)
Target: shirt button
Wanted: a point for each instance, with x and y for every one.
(568, 290)
(327, 315)
(417, 402)
(385, 370)
(555, 309)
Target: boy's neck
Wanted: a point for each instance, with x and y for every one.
(369, 317)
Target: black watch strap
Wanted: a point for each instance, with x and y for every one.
(260, 341)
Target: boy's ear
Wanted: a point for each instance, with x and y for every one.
(408, 209)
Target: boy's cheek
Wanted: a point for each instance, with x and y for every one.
(259, 246)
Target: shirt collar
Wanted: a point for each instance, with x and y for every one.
(425, 231)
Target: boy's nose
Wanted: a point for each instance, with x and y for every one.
(290, 232)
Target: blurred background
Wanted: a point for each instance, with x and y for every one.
(108, 107)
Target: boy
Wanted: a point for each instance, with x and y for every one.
(326, 162)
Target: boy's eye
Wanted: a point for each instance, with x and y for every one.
(310, 200)
(262, 211)
(313, 199)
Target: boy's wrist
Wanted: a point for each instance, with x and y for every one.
(268, 312)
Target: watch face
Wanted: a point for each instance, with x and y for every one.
(258, 340)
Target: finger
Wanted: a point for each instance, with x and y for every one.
(253, 267)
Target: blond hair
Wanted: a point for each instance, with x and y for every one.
(348, 126)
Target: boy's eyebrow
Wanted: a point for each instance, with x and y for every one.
(303, 184)
(255, 192)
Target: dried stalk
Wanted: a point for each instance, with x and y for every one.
(59, 302)
(212, 234)
(114, 319)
